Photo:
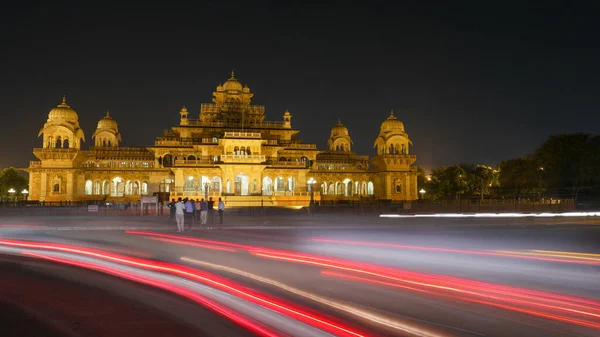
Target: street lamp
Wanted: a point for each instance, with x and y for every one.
(25, 192)
(311, 186)
(206, 186)
(422, 191)
(12, 193)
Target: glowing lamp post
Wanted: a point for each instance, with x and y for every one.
(422, 192)
(311, 186)
(11, 192)
(25, 192)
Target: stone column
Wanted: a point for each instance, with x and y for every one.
(43, 185)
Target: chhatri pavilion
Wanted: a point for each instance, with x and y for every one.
(229, 150)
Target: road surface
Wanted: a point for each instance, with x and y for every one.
(371, 281)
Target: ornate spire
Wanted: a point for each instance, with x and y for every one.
(232, 75)
(391, 114)
(108, 113)
(64, 101)
(339, 122)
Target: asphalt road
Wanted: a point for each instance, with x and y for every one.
(538, 281)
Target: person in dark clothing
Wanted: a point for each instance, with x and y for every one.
(172, 209)
(211, 210)
(221, 208)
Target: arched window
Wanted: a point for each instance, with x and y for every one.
(363, 188)
(370, 188)
(347, 187)
(105, 187)
(216, 184)
(56, 188)
(403, 149)
(97, 188)
(191, 158)
(108, 143)
(282, 159)
(117, 187)
(228, 186)
(331, 188)
(189, 184)
(168, 160)
(279, 184)
(236, 150)
(243, 150)
(89, 187)
(165, 185)
(267, 186)
(58, 142)
(291, 184)
(248, 152)
(398, 187)
(136, 188)
(215, 140)
(128, 189)
(66, 143)
(144, 188)
(324, 188)
(104, 142)
(160, 160)
(338, 188)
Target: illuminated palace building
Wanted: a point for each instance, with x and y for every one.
(228, 151)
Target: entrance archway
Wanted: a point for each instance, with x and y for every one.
(267, 186)
(241, 184)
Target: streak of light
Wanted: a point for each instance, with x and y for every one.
(203, 277)
(500, 253)
(222, 310)
(456, 285)
(566, 253)
(178, 237)
(582, 259)
(494, 215)
(22, 226)
(373, 317)
(187, 243)
(503, 306)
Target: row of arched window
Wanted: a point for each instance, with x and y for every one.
(347, 188)
(116, 187)
(59, 142)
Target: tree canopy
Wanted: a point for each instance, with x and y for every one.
(563, 164)
(10, 178)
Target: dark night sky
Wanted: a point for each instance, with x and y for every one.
(472, 83)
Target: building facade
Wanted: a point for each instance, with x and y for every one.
(228, 150)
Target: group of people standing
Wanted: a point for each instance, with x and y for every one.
(187, 211)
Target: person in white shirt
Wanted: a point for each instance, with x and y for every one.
(179, 214)
(221, 209)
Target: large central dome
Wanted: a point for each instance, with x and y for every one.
(232, 84)
(63, 112)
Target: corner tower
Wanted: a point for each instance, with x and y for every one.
(396, 175)
(61, 129)
(107, 132)
(339, 139)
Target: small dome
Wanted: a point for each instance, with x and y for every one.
(232, 84)
(339, 130)
(63, 112)
(392, 123)
(246, 89)
(107, 122)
